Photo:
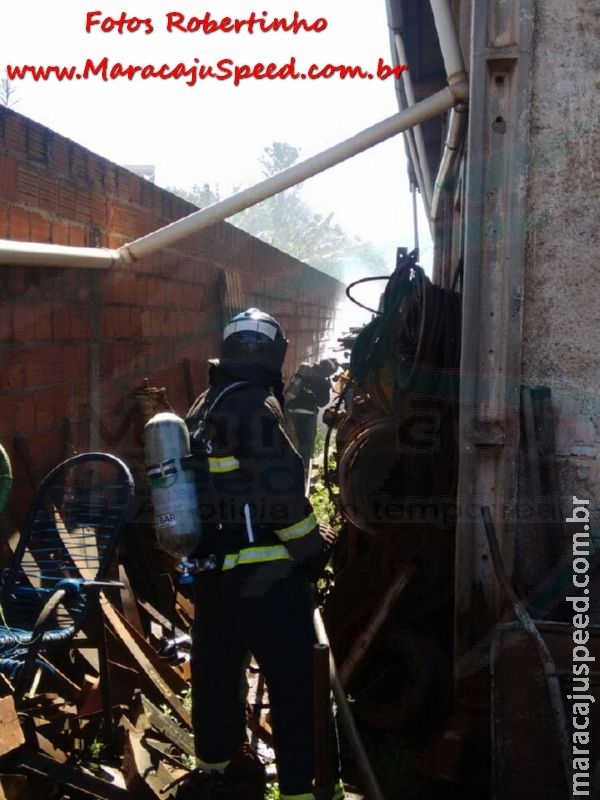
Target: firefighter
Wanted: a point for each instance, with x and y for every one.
(308, 390)
(261, 527)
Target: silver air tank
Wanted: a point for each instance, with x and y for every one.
(173, 487)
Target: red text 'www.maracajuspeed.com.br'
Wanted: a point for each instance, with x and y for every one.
(223, 70)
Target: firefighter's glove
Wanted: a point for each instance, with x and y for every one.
(314, 566)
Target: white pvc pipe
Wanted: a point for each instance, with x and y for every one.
(455, 71)
(456, 128)
(56, 255)
(425, 109)
(449, 44)
(53, 255)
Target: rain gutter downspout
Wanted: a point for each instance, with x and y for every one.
(455, 73)
(457, 124)
(449, 45)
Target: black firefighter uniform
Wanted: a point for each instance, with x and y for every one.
(258, 521)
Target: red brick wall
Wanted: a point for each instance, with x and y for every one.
(75, 343)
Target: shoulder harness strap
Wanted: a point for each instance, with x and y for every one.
(198, 434)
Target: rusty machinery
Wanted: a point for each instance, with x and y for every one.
(394, 484)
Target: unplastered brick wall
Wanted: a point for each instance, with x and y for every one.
(77, 344)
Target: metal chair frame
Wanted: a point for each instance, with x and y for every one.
(5, 478)
(61, 563)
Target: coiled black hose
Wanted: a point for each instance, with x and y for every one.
(405, 362)
(413, 344)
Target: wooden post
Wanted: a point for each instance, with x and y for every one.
(364, 641)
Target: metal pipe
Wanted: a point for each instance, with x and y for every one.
(547, 662)
(324, 786)
(53, 255)
(371, 786)
(455, 73)
(456, 129)
(384, 608)
(33, 254)
(423, 162)
(449, 44)
(415, 218)
(380, 132)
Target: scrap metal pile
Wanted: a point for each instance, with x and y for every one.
(106, 713)
(72, 737)
(387, 609)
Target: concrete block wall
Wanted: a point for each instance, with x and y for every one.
(561, 318)
(76, 344)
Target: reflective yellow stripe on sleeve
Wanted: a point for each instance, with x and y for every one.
(256, 555)
(222, 464)
(298, 529)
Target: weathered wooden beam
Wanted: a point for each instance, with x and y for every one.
(128, 600)
(31, 762)
(155, 615)
(168, 727)
(13, 787)
(11, 733)
(138, 769)
(152, 670)
(380, 615)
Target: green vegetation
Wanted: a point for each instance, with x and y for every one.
(272, 792)
(186, 699)
(288, 223)
(320, 497)
(96, 748)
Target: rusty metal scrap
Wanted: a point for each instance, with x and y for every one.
(11, 733)
(31, 762)
(148, 749)
(152, 669)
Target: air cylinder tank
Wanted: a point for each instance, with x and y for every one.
(172, 484)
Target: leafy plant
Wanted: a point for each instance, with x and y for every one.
(96, 748)
(272, 792)
(189, 762)
(186, 698)
(288, 222)
(320, 494)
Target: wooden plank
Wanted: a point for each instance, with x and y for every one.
(185, 607)
(124, 682)
(151, 668)
(128, 599)
(165, 751)
(168, 727)
(13, 787)
(11, 733)
(155, 615)
(38, 764)
(382, 611)
(138, 769)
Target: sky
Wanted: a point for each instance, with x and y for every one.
(214, 131)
